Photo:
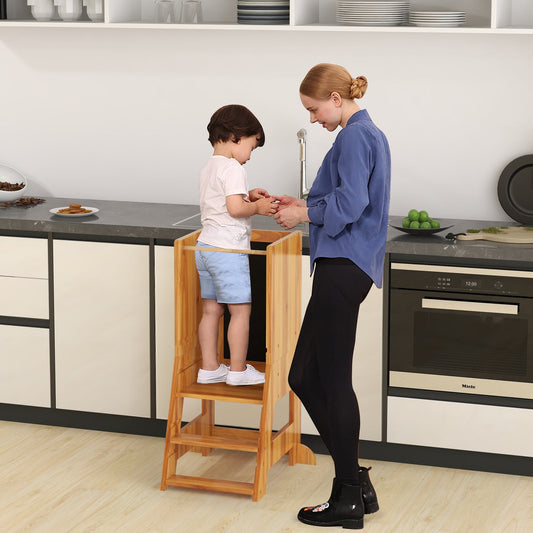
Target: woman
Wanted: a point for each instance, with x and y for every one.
(347, 211)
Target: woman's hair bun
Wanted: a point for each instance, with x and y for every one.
(358, 87)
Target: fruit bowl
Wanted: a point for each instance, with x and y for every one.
(420, 231)
(12, 176)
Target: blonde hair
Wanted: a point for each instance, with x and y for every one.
(326, 78)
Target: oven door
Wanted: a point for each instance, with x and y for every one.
(461, 343)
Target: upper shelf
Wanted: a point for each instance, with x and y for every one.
(482, 16)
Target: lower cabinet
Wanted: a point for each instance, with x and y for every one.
(460, 426)
(102, 333)
(25, 365)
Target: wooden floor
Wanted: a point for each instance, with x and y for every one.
(62, 480)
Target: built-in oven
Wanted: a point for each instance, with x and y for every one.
(461, 329)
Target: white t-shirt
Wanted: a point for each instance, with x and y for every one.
(219, 178)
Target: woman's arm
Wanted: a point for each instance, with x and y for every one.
(345, 204)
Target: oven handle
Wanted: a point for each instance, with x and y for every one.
(475, 307)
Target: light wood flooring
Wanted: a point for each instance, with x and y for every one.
(62, 480)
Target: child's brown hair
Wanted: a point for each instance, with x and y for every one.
(232, 122)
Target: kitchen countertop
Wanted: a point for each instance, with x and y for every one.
(402, 243)
(139, 220)
(134, 220)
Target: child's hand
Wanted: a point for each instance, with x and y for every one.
(266, 206)
(257, 194)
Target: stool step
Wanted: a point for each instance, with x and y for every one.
(223, 443)
(220, 391)
(220, 485)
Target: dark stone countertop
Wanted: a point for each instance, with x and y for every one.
(139, 220)
(135, 220)
(438, 245)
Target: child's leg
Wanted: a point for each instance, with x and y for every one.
(208, 333)
(238, 331)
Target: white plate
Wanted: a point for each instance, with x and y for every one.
(55, 211)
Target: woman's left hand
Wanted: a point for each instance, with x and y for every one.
(291, 216)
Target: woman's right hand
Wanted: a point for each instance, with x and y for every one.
(285, 201)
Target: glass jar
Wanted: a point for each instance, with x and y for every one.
(95, 10)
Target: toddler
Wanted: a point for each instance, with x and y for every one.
(226, 208)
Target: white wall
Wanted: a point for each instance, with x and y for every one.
(122, 113)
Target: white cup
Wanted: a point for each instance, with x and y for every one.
(191, 12)
(42, 10)
(69, 10)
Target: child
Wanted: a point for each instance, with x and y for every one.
(226, 207)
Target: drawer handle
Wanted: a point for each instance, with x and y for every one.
(475, 307)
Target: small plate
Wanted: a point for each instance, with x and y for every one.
(55, 211)
(420, 231)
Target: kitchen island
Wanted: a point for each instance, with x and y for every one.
(86, 322)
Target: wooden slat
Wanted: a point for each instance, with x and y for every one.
(221, 443)
(226, 250)
(264, 235)
(252, 394)
(219, 485)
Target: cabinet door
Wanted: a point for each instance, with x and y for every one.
(102, 348)
(24, 366)
(164, 326)
(460, 426)
(24, 277)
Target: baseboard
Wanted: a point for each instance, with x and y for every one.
(379, 451)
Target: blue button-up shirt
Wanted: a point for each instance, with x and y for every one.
(348, 204)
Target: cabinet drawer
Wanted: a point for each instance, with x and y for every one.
(24, 257)
(24, 297)
(24, 366)
(460, 426)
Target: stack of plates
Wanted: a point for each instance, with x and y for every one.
(437, 19)
(263, 11)
(376, 13)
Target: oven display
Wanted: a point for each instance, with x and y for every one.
(470, 284)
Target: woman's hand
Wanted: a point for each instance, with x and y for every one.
(285, 201)
(256, 194)
(291, 215)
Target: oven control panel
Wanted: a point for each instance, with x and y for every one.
(461, 279)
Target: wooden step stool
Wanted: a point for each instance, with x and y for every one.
(283, 304)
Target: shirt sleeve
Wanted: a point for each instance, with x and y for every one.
(234, 180)
(345, 204)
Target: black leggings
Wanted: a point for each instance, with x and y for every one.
(321, 371)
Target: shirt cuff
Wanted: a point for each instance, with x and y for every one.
(316, 214)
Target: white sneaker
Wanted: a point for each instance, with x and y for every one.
(213, 376)
(250, 376)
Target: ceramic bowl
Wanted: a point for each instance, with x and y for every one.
(11, 176)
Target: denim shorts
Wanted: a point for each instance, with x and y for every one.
(224, 276)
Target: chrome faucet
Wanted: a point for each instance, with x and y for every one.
(303, 191)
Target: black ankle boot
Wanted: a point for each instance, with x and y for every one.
(370, 498)
(344, 508)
